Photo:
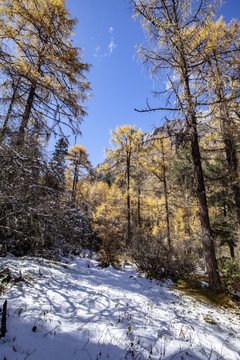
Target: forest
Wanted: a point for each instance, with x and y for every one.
(167, 200)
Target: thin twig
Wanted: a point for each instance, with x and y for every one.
(30, 354)
(51, 330)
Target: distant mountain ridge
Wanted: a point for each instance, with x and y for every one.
(176, 130)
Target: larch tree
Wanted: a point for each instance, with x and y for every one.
(78, 158)
(11, 86)
(166, 23)
(109, 222)
(51, 69)
(157, 163)
(139, 178)
(125, 142)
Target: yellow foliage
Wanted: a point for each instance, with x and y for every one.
(124, 140)
(109, 221)
(37, 35)
(92, 194)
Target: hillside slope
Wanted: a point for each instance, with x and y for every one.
(79, 311)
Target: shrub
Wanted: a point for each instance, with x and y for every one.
(230, 271)
(152, 257)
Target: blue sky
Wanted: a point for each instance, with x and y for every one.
(108, 35)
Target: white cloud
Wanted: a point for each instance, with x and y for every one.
(100, 53)
(97, 51)
(111, 46)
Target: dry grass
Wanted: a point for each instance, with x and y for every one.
(193, 287)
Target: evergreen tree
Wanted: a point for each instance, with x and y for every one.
(78, 158)
(55, 176)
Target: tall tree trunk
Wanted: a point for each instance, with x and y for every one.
(5, 125)
(232, 253)
(75, 181)
(207, 241)
(139, 207)
(208, 245)
(166, 205)
(26, 115)
(188, 215)
(128, 201)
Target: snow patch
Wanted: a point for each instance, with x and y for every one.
(77, 310)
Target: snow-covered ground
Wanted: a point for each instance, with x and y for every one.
(81, 311)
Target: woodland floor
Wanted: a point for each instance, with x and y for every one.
(77, 310)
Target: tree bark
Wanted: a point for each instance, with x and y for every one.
(75, 181)
(128, 201)
(26, 115)
(207, 241)
(166, 205)
(208, 245)
(139, 207)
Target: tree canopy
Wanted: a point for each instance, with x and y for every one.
(47, 70)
